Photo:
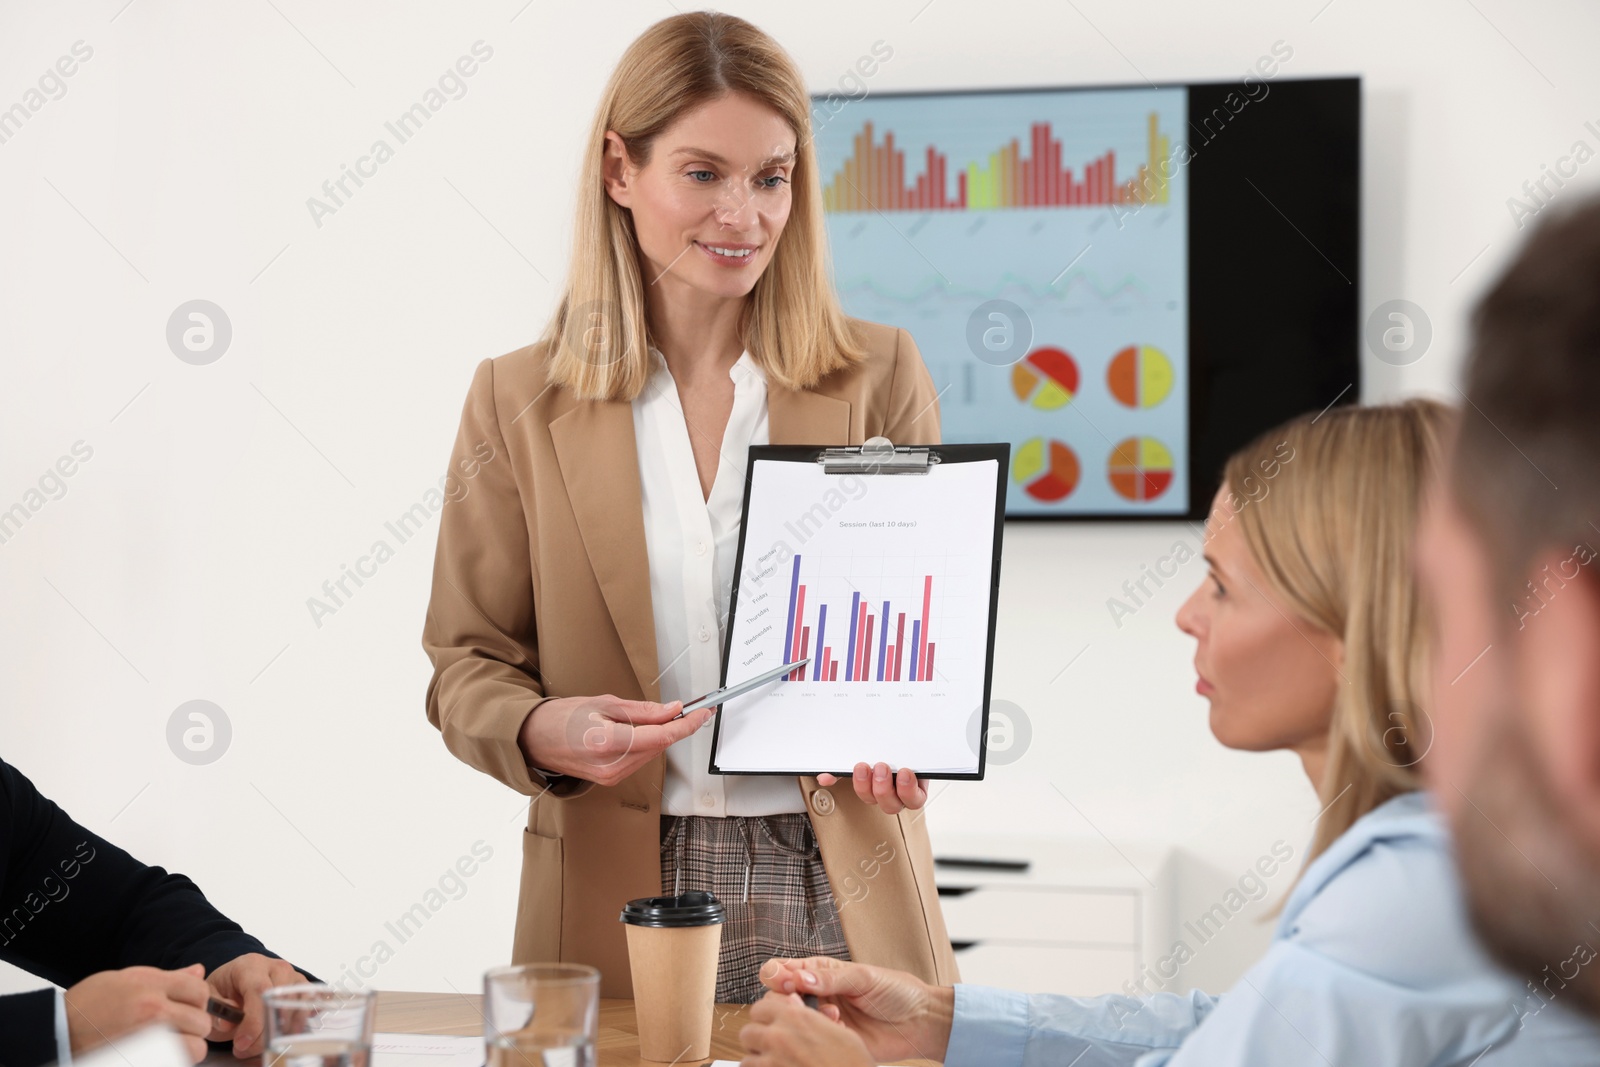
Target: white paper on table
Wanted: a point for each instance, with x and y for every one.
(426, 1050)
(153, 1046)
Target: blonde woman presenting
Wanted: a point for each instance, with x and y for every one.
(581, 582)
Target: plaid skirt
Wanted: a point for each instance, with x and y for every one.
(767, 872)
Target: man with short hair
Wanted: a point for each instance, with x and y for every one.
(1507, 552)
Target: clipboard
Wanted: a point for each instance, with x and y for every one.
(882, 563)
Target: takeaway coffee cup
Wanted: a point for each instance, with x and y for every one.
(673, 944)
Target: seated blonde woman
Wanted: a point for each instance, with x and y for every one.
(1310, 637)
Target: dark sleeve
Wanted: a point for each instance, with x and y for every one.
(72, 903)
(28, 1029)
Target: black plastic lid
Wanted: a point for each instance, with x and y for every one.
(694, 908)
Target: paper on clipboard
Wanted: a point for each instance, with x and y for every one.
(887, 582)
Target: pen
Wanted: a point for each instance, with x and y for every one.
(717, 696)
(223, 1010)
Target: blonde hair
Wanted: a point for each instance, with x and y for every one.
(1333, 536)
(792, 324)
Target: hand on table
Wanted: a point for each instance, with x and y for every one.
(783, 1032)
(241, 981)
(897, 1015)
(875, 785)
(109, 1004)
(603, 739)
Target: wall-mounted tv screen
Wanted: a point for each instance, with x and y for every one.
(1125, 283)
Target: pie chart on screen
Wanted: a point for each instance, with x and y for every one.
(1045, 378)
(1140, 468)
(1046, 469)
(1140, 376)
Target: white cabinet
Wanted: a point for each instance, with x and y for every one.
(1046, 968)
(1084, 918)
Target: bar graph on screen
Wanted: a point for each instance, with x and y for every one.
(873, 178)
(1063, 212)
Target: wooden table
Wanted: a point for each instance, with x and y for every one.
(452, 1013)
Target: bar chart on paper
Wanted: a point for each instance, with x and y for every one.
(885, 582)
(864, 661)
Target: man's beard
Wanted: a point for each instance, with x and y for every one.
(1533, 891)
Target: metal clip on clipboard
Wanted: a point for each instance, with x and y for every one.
(877, 456)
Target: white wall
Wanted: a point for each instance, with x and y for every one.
(217, 499)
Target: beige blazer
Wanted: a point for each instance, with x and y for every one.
(541, 589)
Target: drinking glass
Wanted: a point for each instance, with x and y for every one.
(541, 1015)
(318, 1026)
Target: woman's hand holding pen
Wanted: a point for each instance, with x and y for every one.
(876, 785)
(603, 739)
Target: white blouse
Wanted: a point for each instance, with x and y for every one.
(692, 542)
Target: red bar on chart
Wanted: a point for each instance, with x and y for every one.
(888, 169)
(922, 652)
(1060, 196)
(1054, 184)
(798, 674)
(930, 662)
(1025, 174)
(900, 181)
(833, 671)
(1040, 161)
(851, 177)
(898, 184)
(866, 652)
(899, 645)
(886, 180)
(874, 176)
(861, 653)
(794, 650)
(880, 176)
(864, 170)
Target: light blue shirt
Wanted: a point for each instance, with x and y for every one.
(1372, 963)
